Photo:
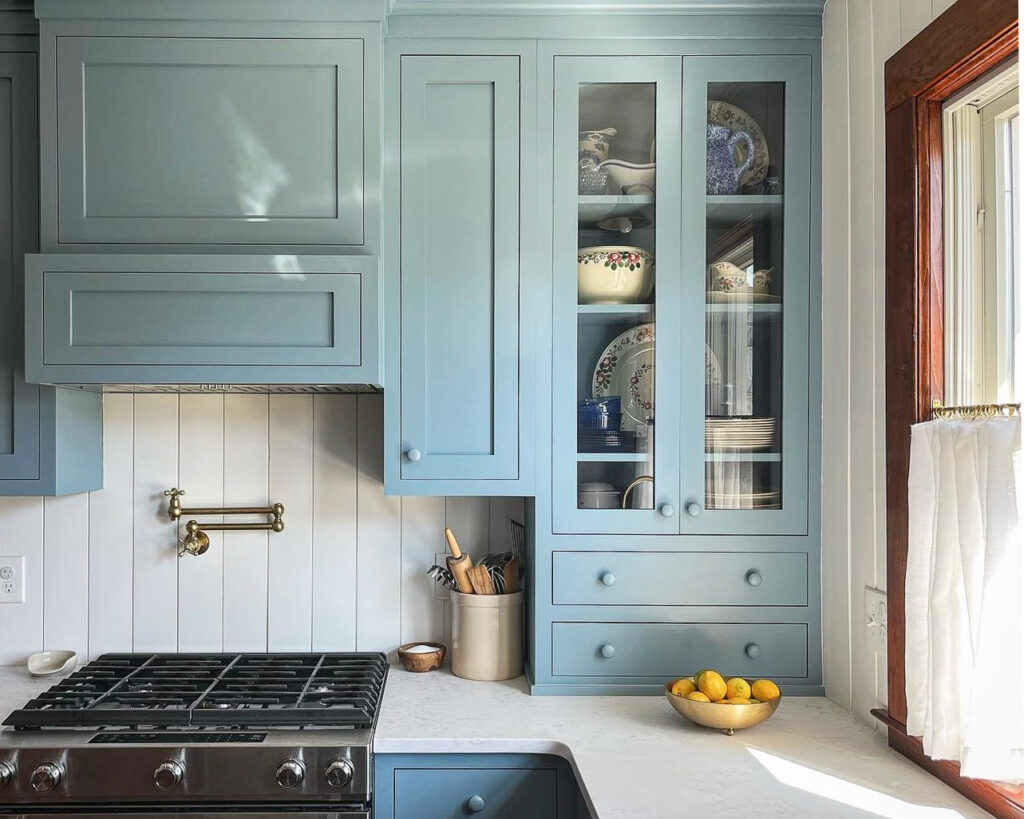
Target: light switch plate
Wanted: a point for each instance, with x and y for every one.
(12, 579)
(876, 618)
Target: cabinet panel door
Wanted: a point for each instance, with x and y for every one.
(19, 402)
(616, 295)
(460, 268)
(502, 793)
(245, 141)
(664, 650)
(680, 578)
(747, 276)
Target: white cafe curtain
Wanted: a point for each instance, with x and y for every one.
(965, 595)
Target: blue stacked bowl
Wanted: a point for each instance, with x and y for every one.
(600, 413)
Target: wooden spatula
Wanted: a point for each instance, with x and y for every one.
(481, 580)
(511, 574)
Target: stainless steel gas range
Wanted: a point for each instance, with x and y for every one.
(213, 735)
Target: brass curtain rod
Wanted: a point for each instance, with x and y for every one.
(974, 411)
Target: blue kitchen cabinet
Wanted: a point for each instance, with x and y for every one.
(452, 786)
(181, 318)
(677, 525)
(458, 386)
(50, 439)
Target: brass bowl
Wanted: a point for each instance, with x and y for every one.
(723, 716)
(420, 661)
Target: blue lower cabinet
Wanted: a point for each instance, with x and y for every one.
(497, 786)
(50, 439)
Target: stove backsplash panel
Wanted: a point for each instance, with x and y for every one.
(347, 573)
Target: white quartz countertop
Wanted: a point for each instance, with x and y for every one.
(636, 757)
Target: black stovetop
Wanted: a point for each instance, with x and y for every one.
(224, 690)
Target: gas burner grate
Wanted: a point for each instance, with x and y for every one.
(235, 690)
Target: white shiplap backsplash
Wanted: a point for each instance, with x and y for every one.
(347, 572)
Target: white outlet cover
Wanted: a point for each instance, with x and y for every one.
(876, 618)
(12, 578)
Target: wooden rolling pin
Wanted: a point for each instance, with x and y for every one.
(459, 563)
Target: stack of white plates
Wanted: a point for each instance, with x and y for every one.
(726, 434)
(743, 500)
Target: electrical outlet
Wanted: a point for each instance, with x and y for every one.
(12, 579)
(440, 592)
(875, 618)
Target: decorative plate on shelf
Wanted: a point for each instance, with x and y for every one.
(736, 119)
(626, 368)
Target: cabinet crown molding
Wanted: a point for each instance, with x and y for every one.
(211, 10)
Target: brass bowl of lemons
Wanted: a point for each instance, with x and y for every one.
(709, 699)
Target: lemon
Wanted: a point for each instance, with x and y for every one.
(696, 676)
(683, 687)
(712, 685)
(737, 687)
(765, 691)
(696, 696)
(735, 701)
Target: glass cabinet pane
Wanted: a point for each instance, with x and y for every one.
(615, 304)
(745, 294)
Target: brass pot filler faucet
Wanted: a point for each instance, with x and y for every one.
(196, 541)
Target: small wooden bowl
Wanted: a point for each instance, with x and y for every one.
(725, 717)
(421, 660)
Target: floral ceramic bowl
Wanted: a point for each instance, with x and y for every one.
(614, 274)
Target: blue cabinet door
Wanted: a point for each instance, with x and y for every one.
(501, 793)
(50, 440)
(745, 448)
(457, 426)
(629, 338)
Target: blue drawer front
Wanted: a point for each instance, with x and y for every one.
(501, 793)
(680, 578)
(666, 650)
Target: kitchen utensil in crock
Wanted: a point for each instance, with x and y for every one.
(459, 563)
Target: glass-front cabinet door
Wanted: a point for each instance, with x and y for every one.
(746, 266)
(617, 197)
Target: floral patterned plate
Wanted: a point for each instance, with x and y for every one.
(723, 113)
(626, 368)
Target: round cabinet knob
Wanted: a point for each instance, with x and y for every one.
(752, 650)
(6, 773)
(475, 804)
(607, 651)
(290, 774)
(754, 577)
(607, 578)
(168, 774)
(339, 773)
(47, 777)
(693, 509)
(413, 455)
(667, 510)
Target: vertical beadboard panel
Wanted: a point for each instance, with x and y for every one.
(155, 612)
(246, 467)
(65, 566)
(502, 511)
(110, 533)
(470, 520)
(423, 614)
(21, 533)
(914, 15)
(201, 474)
(378, 612)
(290, 598)
(335, 471)
(939, 6)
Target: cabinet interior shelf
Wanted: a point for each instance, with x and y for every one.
(743, 457)
(595, 207)
(726, 211)
(612, 457)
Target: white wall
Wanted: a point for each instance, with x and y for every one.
(859, 35)
(347, 572)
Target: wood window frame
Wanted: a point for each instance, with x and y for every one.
(966, 41)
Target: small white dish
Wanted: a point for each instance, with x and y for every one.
(48, 663)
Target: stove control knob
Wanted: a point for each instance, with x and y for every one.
(290, 774)
(168, 774)
(6, 773)
(339, 773)
(47, 777)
